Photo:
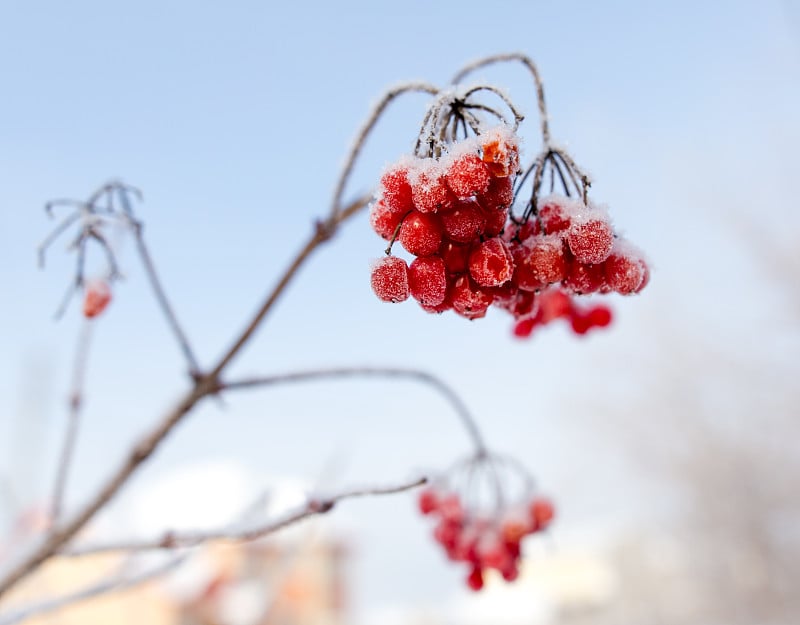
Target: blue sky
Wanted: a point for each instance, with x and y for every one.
(234, 121)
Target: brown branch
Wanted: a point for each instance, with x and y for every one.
(313, 507)
(73, 421)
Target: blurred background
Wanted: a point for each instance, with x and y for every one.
(668, 442)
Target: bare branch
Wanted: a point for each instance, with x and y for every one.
(363, 133)
(460, 408)
(313, 507)
(73, 421)
(124, 581)
(531, 66)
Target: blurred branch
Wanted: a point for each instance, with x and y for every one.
(314, 506)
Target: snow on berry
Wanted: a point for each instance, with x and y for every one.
(590, 237)
(490, 263)
(96, 298)
(421, 233)
(467, 175)
(464, 223)
(395, 189)
(384, 220)
(429, 189)
(546, 260)
(469, 300)
(501, 151)
(555, 213)
(624, 268)
(427, 280)
(389, 279)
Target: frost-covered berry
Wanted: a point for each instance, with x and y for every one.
(590, 240)
(389, 279)
(583, 278)
(469, 300)
(427, 280)
(421, 234)
(554, 215)
(500, 194)
(624, 269)
(500, 151)
(546, 259)
(524, 277)
(490, 263)
(429, 189)
(384, 220)
(464, 223)
(455, 256)
(395, 189)
(95, 298)
(467, 175)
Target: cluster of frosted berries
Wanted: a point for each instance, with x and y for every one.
(450, 214)
(96, 297)
(483, 542)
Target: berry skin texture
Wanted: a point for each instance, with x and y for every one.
(547, 261)
(490, 263)
(384, 220)
(468, 175)
(500, 153)
(421, 234)
(590, 241)
(500, 194)
(584, 279)
(554, 217)
(427, 280)
(396, 190)
(389, 279)
(624, 273)
(429, 190)
(464, 223)
(96, 298)
(469, 300)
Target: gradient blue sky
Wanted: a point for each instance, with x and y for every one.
(234, 121)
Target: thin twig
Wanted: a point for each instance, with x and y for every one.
(155, 283)
(314, 506)
(461, 410)
(363, 133)
(73, 422)
(120, 582)
(527, 62)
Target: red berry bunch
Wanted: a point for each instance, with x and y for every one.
(483, 538)
(96, 298)
(449, 213)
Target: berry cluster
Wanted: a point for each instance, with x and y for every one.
(552, 304)
(483, 540)
(450, 213)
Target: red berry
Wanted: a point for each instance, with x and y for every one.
(421, 234)
(390, 279)
(464, 223)
(429, 189)
(467, 175)
(584, 279)
(541, 512)
(546, 260)
(469, 300)
(96, 297)
(591, 240)
(500, 151)
(427, 280)
(396, 190)
(455, 256)
(624, 272)
(490, 263)
(475, 579)
(499, 195)
(553, 303)
(599, 316)
(553, 215)
(580, 322)
(522, 304)
(428, 501)
(510, 572)
(383, 219)
(645, 279)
